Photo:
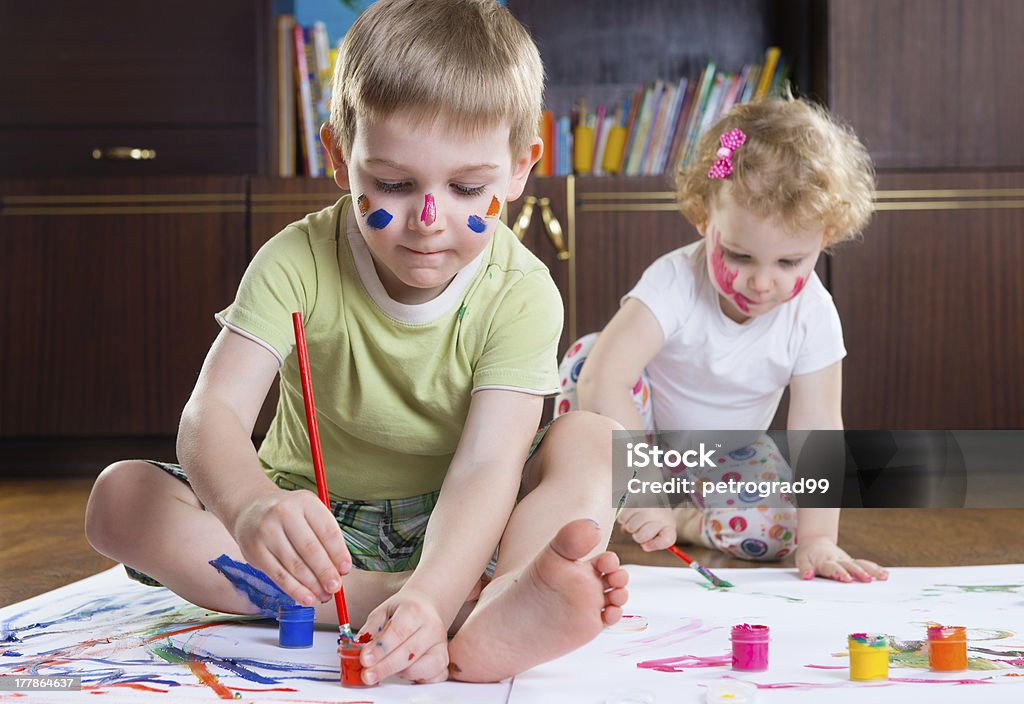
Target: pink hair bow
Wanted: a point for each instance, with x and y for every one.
(730, 141)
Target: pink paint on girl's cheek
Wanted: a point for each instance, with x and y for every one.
(725, 276)
(429, 213)
(801, 281)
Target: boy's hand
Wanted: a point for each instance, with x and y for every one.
(653, 528)
(822, 557)
(409, 638)
(296, 541)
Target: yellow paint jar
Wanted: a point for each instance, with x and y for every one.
(869, 656)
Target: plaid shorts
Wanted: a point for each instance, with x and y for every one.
(382, 536)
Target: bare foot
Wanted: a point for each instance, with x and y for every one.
(555, 605)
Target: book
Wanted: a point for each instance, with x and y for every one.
(771, 59)
(309, 140)
(284, 96)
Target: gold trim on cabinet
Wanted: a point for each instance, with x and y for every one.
(610, 207)
(127, 210)
(296, 208)
(950, 205)
(123, 198)
(288, 197)
(628, 195)
(570, 223)
(950, 193)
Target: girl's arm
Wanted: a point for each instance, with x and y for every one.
(630, 340)
(815, 403)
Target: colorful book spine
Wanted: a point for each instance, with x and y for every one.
(771, 60)
(308, 139)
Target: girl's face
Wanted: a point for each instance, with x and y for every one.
(756, 264)
(427, 199)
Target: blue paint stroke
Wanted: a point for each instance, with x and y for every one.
(241, 666)
(10, 654)
(476, 224)
(258, 587)
(379, 219)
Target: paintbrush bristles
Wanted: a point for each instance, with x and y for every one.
(709, 575)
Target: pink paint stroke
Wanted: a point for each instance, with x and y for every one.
(801, 281)
(429, 213)
(724, 275)
(659, 640)
(685, 662)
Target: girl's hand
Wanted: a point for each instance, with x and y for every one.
(296, 541)
(822, 557)
(408, 638)
(653, 528)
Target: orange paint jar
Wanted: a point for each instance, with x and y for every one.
(947, 648)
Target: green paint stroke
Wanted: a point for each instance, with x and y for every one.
(973, 589)
(168, 654)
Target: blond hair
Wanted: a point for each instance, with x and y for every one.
(798, 167)
(468, 61)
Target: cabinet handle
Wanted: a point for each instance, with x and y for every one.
(522, 223)
(124, 154)
(554, 229)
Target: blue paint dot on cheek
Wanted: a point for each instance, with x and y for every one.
(476, 224)
(379, 219)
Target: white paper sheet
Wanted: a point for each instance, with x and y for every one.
(130, 643)
(809, 622)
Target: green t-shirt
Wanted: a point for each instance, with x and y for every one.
(392, 382)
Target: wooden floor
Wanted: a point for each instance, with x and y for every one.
(42, 545)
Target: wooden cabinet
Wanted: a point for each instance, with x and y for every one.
(613, 227)
(929, 84)
(185, 81)
(109, 292)
(932, 303)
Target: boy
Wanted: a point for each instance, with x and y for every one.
(432, 334)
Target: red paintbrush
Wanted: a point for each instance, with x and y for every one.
(318, 460)
(701, 569)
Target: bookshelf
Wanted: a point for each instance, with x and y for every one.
(931, 299)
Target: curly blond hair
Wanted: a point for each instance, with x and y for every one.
(798, 167)
(468, 61)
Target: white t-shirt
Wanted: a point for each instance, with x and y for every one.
(713, 373)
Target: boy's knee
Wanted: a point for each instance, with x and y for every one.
(752, 534)
(583, 428)
(117, 488)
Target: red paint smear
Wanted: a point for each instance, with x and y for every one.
(987, 680)
(723, 275)
(412, 655)
(166, 634)
(827, 667)
(200, 670)
(131, 685)
(797, 288)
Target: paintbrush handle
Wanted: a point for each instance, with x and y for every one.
(680, 554)
(314, 442)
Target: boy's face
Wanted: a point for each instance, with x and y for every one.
(427, 199)
(756, 264)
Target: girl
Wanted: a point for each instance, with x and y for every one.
(720, 327)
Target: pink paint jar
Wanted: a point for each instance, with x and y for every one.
(750, 648)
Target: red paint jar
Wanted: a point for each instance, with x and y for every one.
(750, 648)
(351, 667)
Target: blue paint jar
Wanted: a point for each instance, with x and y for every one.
(296, 629)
